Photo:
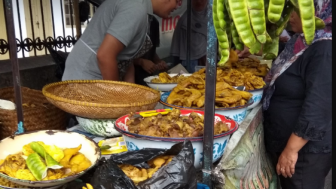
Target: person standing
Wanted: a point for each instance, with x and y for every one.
(297, 106)
(116, 34)
(150, 62)
(198, 41)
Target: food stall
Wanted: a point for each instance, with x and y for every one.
(223, 122)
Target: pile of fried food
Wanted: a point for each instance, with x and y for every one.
(164, 77)
(235, 77)
(191, 93)
(249, 64)
(172, 125)
(140, 174)
(7, 183)
(41, 162)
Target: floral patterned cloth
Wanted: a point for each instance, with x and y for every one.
(296, 47)
(124, 64)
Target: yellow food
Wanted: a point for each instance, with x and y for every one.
(139, 174)
(5, 182)
(12, 164)
(165, 78)
(71, 159)
(68, 153)
(53, 151)
(88, 186)
(172, 125)
(79, 163)
(24, 174)
(191, 91)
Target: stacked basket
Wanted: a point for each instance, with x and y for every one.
(40, 116)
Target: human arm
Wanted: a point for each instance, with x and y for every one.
(129, 76)
(107, 57)
(246, 52)
(160, 64)
(121, 33)
(315, 117)
(146, 64)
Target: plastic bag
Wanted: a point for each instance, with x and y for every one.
(178, 174)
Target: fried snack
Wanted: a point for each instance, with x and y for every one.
(171, 125)
(135, 174)
(7, 183)
(251, 65)
(12, 164)
(68, 153)
(190, 92)
(139, 174)
(165, 78)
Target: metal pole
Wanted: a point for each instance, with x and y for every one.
(188, 33)
(210, 90)
(13, 57)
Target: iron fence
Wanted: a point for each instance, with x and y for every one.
(39, 42)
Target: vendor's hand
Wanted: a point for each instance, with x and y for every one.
(148, 66)
(286, 163)
(244, 53)
(284, 39)
(162, 65)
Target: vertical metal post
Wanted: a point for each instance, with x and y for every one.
(32, 26)
(53, 21)
(210, 90)
(71, 18)
(43, 24)
(188, 33)
(77, 20)
(19, 18)
(13, 57)
(63, 26)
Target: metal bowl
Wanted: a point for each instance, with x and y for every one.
(257, 96)
(62, 139)
(136, 142)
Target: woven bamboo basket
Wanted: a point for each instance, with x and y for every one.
(100, 99)
(38, 113)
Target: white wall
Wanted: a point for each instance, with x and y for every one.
(16, 24)
(58, 22)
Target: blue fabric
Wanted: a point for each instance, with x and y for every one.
(20, 129)
(202, 186)
(193, 63)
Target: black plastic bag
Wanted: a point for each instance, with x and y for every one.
(137, 158)
(178, 174)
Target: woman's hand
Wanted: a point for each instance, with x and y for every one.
(288, 158)
(148, 66)
(162, 65)
(286, 163)
(284, 39)
(244, 53)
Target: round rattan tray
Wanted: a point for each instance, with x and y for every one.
(100, 99)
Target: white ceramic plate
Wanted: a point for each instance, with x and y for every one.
(162, 86)
(62, 139)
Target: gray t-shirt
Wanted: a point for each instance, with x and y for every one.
(126, 20)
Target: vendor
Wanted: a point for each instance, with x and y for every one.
(297, 106)
(150, 62)
(115, 36)
(198, 32)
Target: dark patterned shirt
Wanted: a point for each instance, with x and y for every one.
(301, 102)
